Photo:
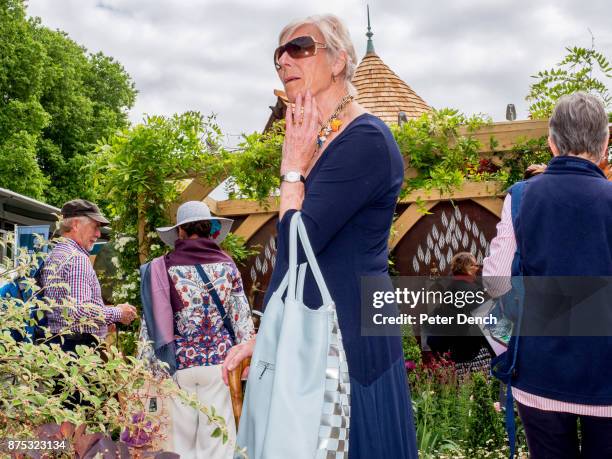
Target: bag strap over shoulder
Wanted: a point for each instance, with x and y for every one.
(297, 231)
(213, 293)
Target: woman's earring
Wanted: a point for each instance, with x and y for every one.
(333, 78)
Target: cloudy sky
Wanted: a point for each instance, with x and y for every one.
(216, 55)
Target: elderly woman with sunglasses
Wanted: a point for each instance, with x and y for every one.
(343, 170)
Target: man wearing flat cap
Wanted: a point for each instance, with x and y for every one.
(68, 265)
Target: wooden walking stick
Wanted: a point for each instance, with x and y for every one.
(235, 385)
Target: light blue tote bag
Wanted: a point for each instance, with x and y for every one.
(297, 401)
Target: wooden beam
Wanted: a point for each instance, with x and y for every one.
(407, 220)
(252, 224)
(468, 190)
(235, 207)
(195, 191)
(492, 204)
(508, 133)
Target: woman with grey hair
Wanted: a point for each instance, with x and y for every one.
(564, 229)
(342, 168)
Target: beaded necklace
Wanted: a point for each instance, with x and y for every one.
(333, 123)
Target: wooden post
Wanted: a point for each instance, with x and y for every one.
(143, 240)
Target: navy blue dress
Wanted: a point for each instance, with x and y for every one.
(348, 208)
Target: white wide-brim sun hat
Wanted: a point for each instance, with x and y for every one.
(193, 211)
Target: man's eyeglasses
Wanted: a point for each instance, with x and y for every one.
(298, 48)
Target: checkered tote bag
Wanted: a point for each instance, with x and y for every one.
(297, 401)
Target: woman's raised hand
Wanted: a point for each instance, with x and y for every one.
(302, 128)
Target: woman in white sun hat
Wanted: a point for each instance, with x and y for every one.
(199, 286)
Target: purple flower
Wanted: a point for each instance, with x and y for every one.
(139, 435)
(410, 365)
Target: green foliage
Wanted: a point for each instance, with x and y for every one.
(61, 97)
(236, 247)
(484, 425)
(19, 169)
(135, 173)
(574, 73)
(255, 169)
(433, 145)
(38, 380)
(524, 154)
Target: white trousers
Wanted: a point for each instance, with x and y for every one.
(191, 429)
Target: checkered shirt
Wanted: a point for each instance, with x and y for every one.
(69, 264)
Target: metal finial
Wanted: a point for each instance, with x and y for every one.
(370, 48)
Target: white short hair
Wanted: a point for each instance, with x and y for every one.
(65, 225)
(337, 38)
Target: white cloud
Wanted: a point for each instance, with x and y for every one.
(216, 56)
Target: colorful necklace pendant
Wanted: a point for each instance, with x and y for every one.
(333, 124)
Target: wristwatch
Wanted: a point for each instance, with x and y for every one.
(293, 177)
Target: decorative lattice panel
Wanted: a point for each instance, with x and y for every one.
(432, 242)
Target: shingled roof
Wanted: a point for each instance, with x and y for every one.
(381, 91)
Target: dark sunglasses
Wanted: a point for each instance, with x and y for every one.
(298, 48)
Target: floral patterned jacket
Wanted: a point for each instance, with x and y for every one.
(201, 336)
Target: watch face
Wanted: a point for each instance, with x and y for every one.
(292, 176)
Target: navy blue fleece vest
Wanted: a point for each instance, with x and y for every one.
(564, 228)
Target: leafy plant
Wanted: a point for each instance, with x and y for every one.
(236, 247)
(135, 172)
(57, 101)
(433, 145)
(524, 154)
(255, 169)
(575, 72)
(484, 426)
(98, 389)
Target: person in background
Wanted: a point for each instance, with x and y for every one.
(564, 229)
(195, 310)
(69, 265)
(463, 344)
(342, 168)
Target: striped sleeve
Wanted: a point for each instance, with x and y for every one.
(497, 267)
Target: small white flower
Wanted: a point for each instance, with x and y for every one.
(115, 261)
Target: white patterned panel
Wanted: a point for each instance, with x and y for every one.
(415, 264)
(449, 236)
(458, 233)
(442, 264)
(455, 232)
(468, 223)
(458, 214)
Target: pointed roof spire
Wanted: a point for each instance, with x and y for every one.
(370, 48)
